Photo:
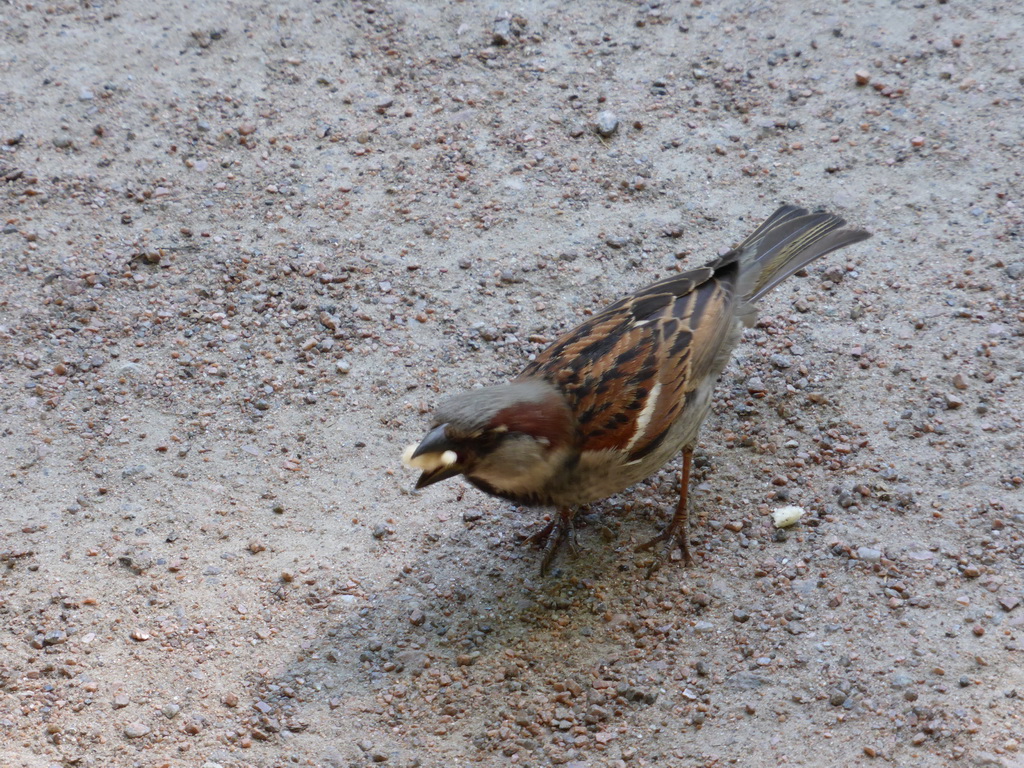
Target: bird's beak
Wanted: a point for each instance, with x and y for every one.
(435, 441)
(436, 456)
(437, 475)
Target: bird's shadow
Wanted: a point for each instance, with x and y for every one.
(470, 612)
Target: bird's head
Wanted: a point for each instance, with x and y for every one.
(511, 438)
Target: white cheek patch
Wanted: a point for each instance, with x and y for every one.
(428, 462)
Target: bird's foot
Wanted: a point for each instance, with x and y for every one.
(558, 531)
(671, 539)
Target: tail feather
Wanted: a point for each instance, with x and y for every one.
(788, 241)
(782, 215)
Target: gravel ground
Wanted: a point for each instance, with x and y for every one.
(245, 249)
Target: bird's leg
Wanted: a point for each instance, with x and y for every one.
(551, 536)
(675, 532)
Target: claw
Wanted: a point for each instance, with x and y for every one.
(674, 539)
(539, 537)
(552, 536)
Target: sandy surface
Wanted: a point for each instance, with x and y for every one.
(246, 247)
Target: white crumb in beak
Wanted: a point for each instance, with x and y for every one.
(787, 516)
(428, 462)
(407, 455)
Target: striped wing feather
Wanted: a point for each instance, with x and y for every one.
(661, 341)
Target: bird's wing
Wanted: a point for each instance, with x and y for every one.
(628, 370)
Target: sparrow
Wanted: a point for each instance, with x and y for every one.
(613, 400)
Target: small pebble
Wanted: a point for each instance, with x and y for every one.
(607, 123)
(755, 385)
(136, 730)
(501, 32)
(869, 554)
(900, 680)
(55, 637)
